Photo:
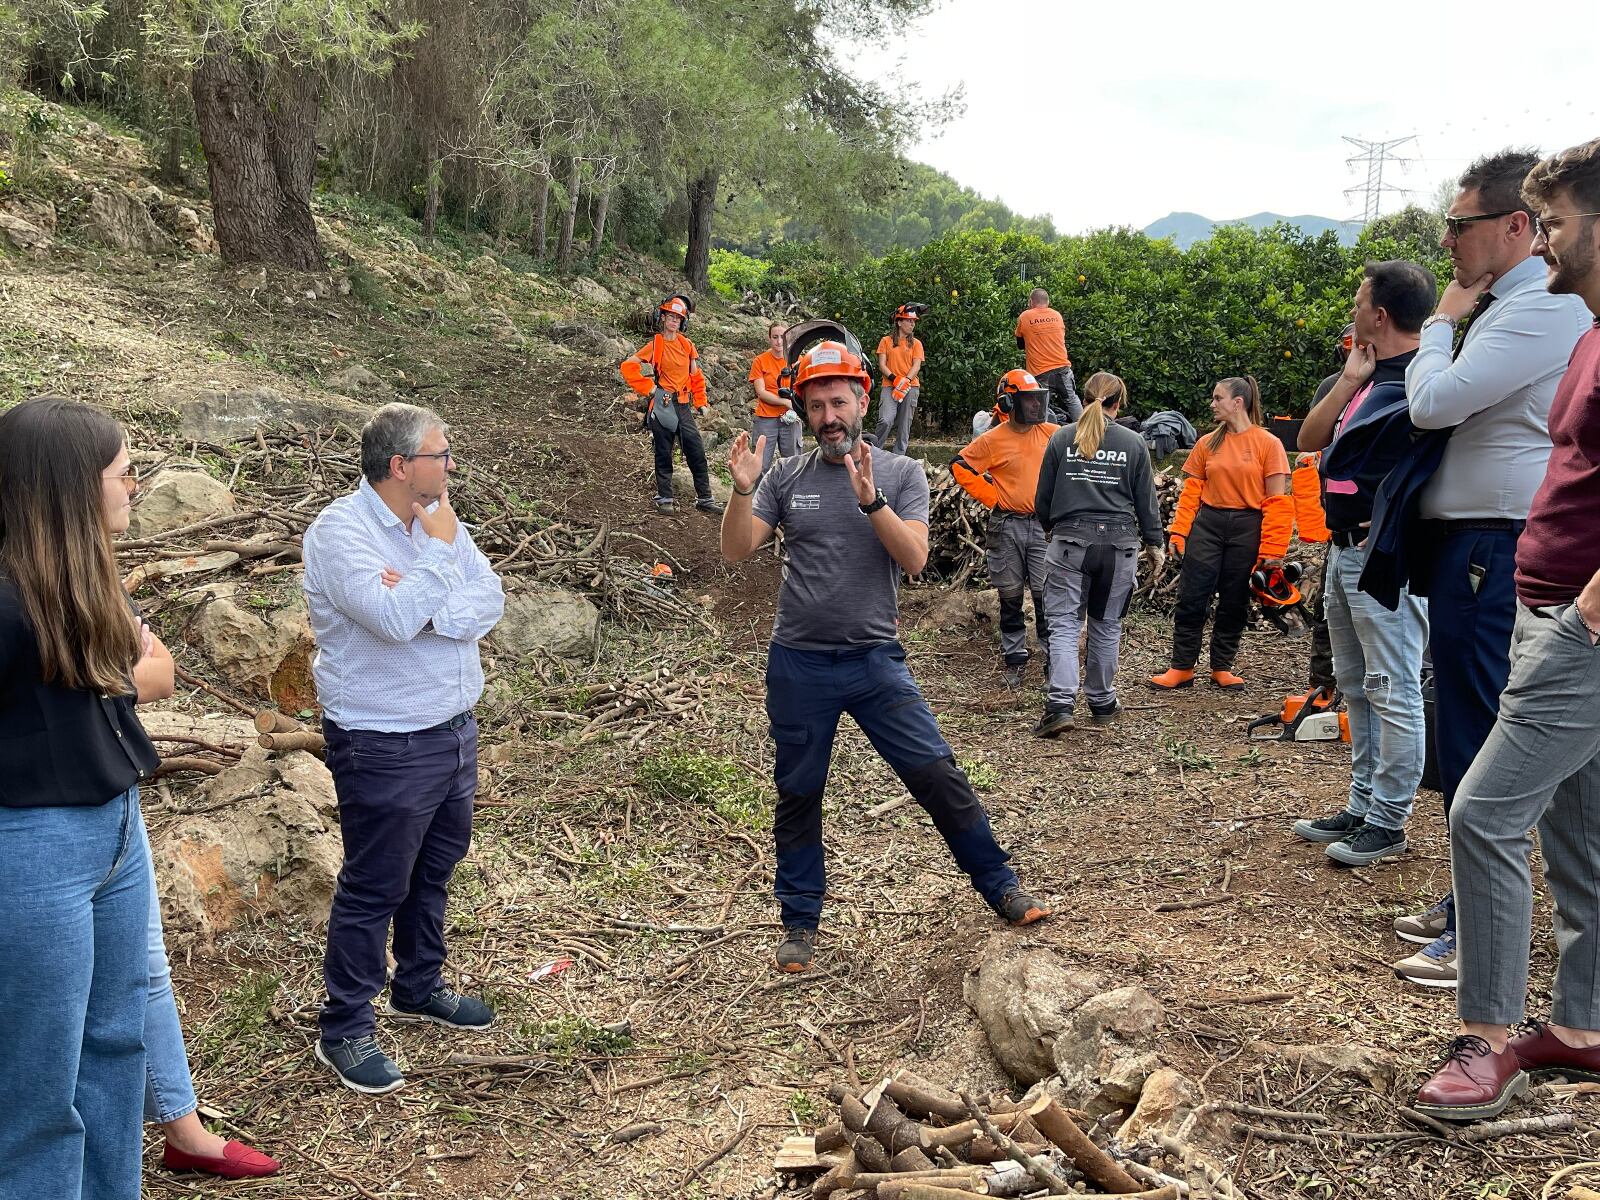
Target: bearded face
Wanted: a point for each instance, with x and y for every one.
(1027, 408)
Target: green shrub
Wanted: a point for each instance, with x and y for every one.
(733, 274)
(706, 781)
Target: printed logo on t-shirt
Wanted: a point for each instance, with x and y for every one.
(812, 503)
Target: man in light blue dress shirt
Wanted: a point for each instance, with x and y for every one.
(398, 597)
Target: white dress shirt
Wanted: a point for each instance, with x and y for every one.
(395, 660)
(1496, 394)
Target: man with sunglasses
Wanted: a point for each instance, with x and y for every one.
(398, 597)
(1486, 371)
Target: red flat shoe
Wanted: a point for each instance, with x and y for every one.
(237, 1161)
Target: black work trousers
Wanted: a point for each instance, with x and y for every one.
(694, 454)
(1221, 551)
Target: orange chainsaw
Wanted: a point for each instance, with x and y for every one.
(1313, 716)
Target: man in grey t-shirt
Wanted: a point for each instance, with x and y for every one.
(853, 519)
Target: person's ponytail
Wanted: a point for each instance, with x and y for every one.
(1103, 390)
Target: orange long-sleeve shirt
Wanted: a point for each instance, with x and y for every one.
(1000, 468)
(677, 366)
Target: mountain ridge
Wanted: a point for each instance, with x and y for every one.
(1187, 228)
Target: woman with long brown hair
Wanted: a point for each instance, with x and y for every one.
(1234, 514)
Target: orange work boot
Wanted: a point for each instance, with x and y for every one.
(1226, 679)
(1176, 677)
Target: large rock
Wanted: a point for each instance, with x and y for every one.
(355, 380)
(270, 846)
(1168, 1096)
(260, 654)
(547, 621)
(1374, 1065)
(120, 220)
(589, 290)
(234, 414)
(175, 498)
(27, 225)
(1043, 1015)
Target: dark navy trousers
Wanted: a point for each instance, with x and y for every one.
(405, 815)
(807, 692)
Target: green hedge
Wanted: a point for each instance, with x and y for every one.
(1268, 303)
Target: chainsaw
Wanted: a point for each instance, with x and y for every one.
(1311, 717)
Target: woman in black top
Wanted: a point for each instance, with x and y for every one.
(74, 868)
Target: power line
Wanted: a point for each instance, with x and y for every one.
(1374, 156)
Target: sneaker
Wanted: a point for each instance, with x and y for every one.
(708, 504)
(1472, 1082)
(1013, 676)
(664, 504)
(1227, 680)
(1019, 908)
(1369, 844)
(1422, 928)
(1434, 965)
(1331, 829)
(360, 1065)
(1175, 678)
(445, 1007)
(1104, 714)
(1054, 721)
(797, 949)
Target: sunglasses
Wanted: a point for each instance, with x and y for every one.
(129, 479)
(1456, 224)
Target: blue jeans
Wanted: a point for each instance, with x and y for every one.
(807, 692)
(1377, 658)
(168, 1089)
(75, 894)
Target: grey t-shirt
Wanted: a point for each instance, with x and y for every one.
(839, 585)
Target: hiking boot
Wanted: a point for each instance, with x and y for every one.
(1177, 677)
(1472, 1082)
(1331, 829)
(1422, 928)
(1053, 722)
(1019, 908)
(798, 947)
(1366, 845)
(1104, 714)
(664, 504)
(1434, 965)
(360, 1065)
(1013, 676)
(708, 504)
(1541, 1052)
(445, 1007)
(1227, 680)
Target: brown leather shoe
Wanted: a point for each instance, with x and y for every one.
(1541, 1052)
(1472, 1082)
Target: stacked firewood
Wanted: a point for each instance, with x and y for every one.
(909, 1139)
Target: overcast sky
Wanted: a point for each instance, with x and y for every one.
(1119, 113)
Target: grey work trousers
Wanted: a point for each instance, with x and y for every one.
(1540, 767)
(896, 414)
(1016, 545)
(1064, 402)
(1070, 579)
(781, 436)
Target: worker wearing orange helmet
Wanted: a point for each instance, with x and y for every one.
(900, 357)
(1000, 470)
(853, 520)
(665, 373)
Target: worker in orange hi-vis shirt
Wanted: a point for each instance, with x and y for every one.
(1000, 469)
(665, 372)
(775, 418)
(900, 358)
(1234, 515)
(1042, 337)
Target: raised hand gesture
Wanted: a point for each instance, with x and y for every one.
(744, 464)
(441, 522)
(861, 473)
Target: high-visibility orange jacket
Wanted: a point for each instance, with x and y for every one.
(677, 369)
(1000, 468)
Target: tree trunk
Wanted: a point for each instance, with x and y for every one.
(569, 220)
(601, 211)
(702, 201)
(541, 217)
(430, 204)
(258, 127)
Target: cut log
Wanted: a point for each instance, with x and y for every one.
(270, 720)
(911, 1159)
(916, 1096)
(798, 1154)
(912, 1190)
(965, 1131)
(1052, 1121)
(303, 740)
(869, 1152)
(893, 1128)
(188, 762)
(829, 1138)
(837, 1179)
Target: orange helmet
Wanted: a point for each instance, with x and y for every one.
(1015, 382)
(910, 312)
(679, 306)
(1276, 588)
(830, 360)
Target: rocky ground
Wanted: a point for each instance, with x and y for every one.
(623, 824)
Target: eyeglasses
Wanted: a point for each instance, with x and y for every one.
(129, 479)
(1543, 225)
(1455, 224)
(446, 455)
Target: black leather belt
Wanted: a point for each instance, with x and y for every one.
(1346, 538)
(1477, 524)
(454, 723)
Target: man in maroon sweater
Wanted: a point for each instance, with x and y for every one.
(1541, 765)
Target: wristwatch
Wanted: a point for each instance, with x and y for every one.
(878, 502)
(1440, 319)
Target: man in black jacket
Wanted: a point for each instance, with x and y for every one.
(1364, 427)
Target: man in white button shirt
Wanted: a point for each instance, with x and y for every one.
(1493, 395)
(398, 597)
